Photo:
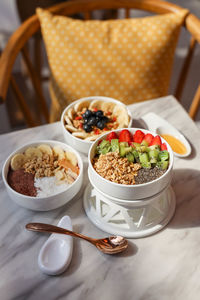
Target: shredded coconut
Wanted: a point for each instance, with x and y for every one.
(48, 186)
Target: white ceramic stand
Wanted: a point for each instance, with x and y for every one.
(131, 219)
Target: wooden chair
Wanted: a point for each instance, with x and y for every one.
(20, 38)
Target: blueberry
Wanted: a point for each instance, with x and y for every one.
(99, 113)
(84, 116)
(104, 119)
(88, 113)
(87, 127)
(92, 121)
(100, 125)
(86, 121)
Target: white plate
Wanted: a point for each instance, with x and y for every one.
(161, 126)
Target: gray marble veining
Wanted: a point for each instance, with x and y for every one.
(160, 267)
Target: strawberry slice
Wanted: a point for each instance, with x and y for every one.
(156, 141)
(163, 147)
(125, 136)
(148, 138)
(112, 135)
(138, 136)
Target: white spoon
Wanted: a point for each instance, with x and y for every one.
(56, 253)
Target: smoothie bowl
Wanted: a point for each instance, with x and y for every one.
(43, 175)
(130, 164)
(84, 120)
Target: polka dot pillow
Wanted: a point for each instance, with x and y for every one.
(129, 59)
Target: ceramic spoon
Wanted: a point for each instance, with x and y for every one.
(56, 253)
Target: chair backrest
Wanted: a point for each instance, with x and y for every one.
(18, 41)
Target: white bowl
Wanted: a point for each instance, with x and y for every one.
(130, 192)
(77, 143)
(50, 202)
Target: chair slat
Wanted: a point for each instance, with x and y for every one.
(22, 104)
(185, 69)
(36, 83)
(127, 13)
(87, 15)
(195, 104)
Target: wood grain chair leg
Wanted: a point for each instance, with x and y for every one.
(22, 104)
(41, 102)
(195, 104)
(185, 69)
(38, 55)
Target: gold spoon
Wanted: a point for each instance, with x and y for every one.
(109, 245)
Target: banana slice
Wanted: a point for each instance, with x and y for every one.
(96, 104)
(80, 134)
(71, 157)
(80, 105)
(92, 137)
(108, 106)
(71, 128)
(17, 161)
(33, 152)
(121, 113)
(46, 149)
(59, 152)
(67, 120)
(70, 113)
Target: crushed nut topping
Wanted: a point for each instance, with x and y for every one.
(115, 168)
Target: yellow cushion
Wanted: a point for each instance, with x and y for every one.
(129, 59)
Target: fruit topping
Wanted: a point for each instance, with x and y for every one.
(138, 136)
(156, 141)
(111, 135)
(148, 138)
(125, 136)
(88, 119)
(148, 155)
(163, 147)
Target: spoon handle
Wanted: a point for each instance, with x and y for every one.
(41, 227)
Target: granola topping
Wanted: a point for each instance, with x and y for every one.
(115, 168)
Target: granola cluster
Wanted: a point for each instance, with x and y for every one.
(44, 166)
(115, 168)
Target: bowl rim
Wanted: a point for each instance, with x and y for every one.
(90, 98)
(80, 163)
(133, 185)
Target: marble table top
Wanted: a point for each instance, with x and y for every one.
(159, 267)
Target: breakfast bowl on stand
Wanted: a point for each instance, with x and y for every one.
(84, 120)
(129, 191)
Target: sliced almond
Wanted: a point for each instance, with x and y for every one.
(81, 104)
(17, 161)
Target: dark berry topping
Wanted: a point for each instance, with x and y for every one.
(87, 127)
(99, 113)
